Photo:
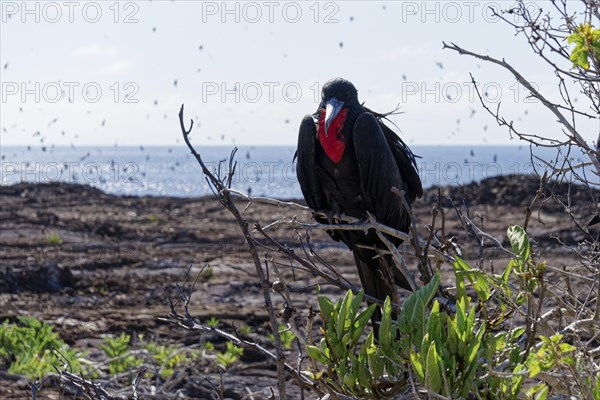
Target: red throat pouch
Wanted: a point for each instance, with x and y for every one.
(333, 143)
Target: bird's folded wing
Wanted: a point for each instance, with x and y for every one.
(379, 172)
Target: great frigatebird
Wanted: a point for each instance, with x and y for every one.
(348, 161)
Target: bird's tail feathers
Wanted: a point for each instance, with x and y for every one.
(373, 279)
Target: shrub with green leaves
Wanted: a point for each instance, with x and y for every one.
(32, 348)
(471, 345)
(348, 364)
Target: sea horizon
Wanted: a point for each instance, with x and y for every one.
(163, 170)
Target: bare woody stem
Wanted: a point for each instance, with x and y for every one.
(224, 195)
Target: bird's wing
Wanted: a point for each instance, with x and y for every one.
(306, 166)
(379, 172)
(406, 161)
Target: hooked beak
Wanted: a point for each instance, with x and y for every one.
(332, 108)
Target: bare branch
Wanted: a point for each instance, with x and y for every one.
(574, 135)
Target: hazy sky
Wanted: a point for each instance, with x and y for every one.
(100, 73)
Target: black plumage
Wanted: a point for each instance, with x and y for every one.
(348, 160)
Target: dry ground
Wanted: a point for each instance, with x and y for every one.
(119, 257)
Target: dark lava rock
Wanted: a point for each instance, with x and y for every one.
(516, 191)
(51, 277)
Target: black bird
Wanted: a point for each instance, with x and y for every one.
(348, 162)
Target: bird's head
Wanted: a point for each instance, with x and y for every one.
(338, 97)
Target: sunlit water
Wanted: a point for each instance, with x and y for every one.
(261, 170)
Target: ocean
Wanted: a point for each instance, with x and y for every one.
(261, 170)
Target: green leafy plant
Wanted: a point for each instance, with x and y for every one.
(169, 358)
(594, 384)
(54, 238)
(452, 350)
(209, 347)
(230, 355)
(287, 336)
(245, 330)
(213, 322)
(206, 273)
(350, 365)
(32, 348)
(587, 45)
(152, 218)
(445, 347)
(117, 348)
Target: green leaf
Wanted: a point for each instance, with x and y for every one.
(470, 324)
(376, 361)
(462, 325)
(566, 347)
(540, 390)
(413, 310)
(547, 340)
(516, 333)
(473, 348)
(520, 244)
(364, 376)
(534, 368)
(339, 350)
(315, 353)
(482, 286)
(453, 336)
(434, 324)
(470, 363)
(355, 306)
(417, 320)
(515, 355)
(326, 307)
(461, 315)
(506, 274)
(350, 378)
(568, 360)
(517, 380)
(451, 367)
(342, 320)
(415, 361)
(392, 367)
(460, 265)
(424, 348)
(433, 380)
(498, 342)
(385, 329)
(521, 299)
(479, 279)
(361, 322)
(543, 393)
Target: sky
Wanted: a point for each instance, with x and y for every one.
(116, 73)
